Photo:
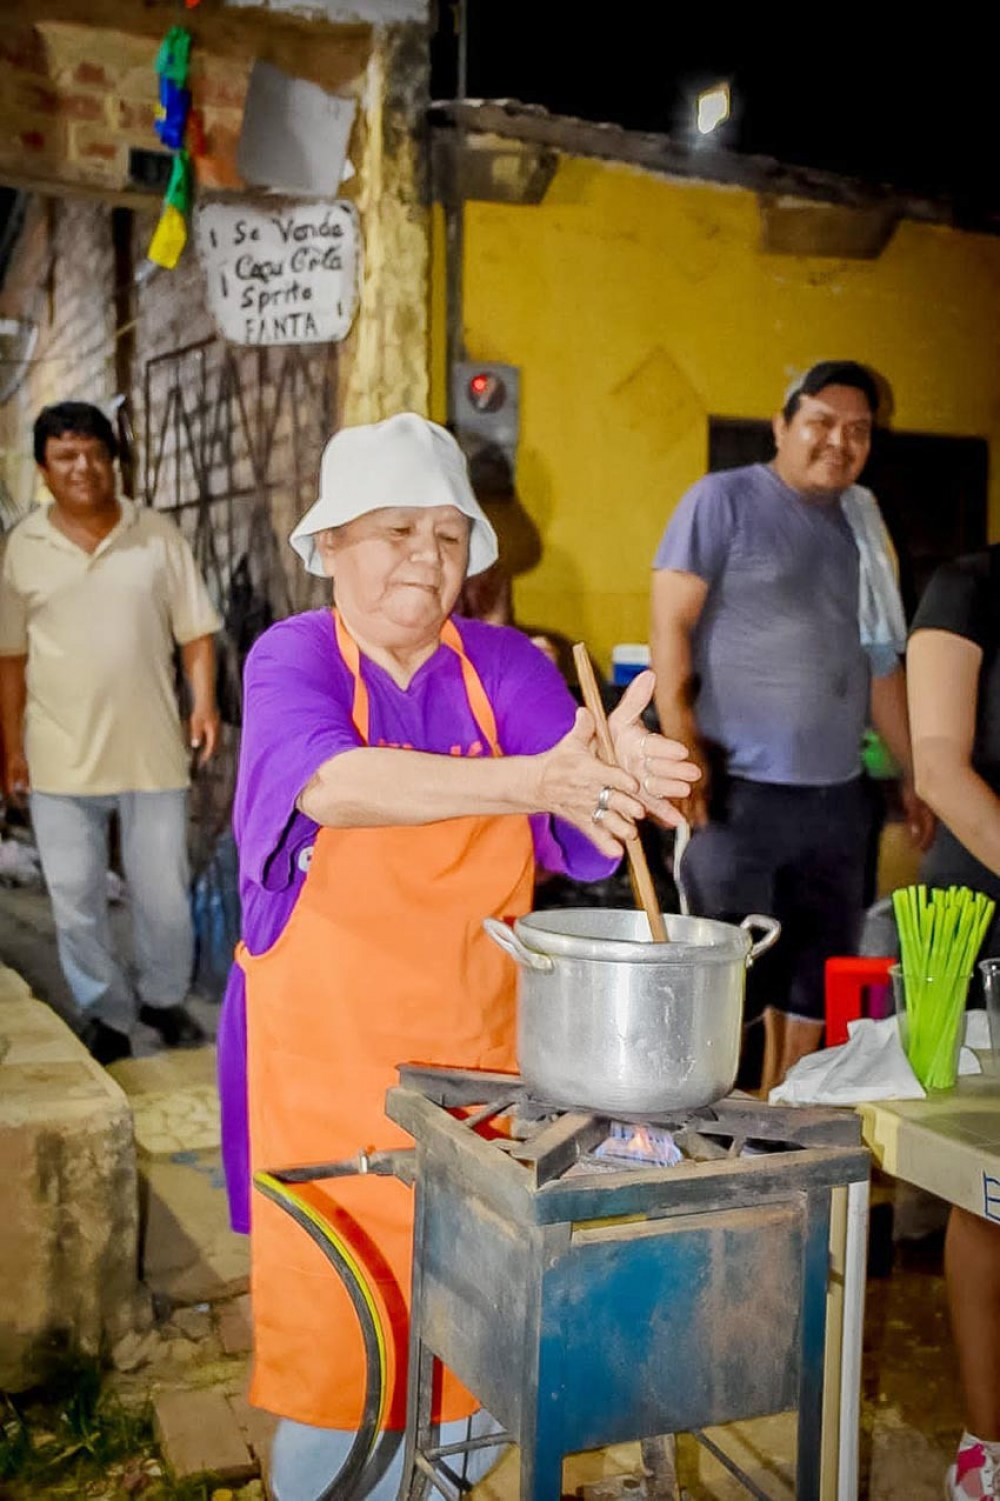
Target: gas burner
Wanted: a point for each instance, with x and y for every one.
(552, 1142)
(587, 1299)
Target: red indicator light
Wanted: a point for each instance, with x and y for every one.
(486, 391)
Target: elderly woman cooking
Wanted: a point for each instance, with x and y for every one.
(401, 773)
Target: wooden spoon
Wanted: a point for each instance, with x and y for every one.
(642, 881)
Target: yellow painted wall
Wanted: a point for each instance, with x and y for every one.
(637, 307)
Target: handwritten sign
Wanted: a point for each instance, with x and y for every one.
(281, 275)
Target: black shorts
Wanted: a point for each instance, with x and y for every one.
(794, 853)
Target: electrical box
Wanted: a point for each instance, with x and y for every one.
(486, 405)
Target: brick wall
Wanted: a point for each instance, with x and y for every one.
(77, 93)
(224, 431)
(222, 434)
(77, 90)
(62, 276)
(193, 414)
(74, 99)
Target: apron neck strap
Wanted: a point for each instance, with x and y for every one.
(348, 648)
(482, 709)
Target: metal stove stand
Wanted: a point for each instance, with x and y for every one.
(591, 1307)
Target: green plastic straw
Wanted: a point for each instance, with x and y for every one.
(940, 933)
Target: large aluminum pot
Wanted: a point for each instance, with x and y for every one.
(608, 1021)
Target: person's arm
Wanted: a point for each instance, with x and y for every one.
(194, 621)
(13, 695)
(677, 602)
(943, 676)
(372, 787)
(198, 657)
(890, 717)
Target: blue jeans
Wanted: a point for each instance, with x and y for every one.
(72, 838)
(305, 1459)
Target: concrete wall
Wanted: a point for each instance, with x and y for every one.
(387, 367)
(639, 307)
(71, 1210)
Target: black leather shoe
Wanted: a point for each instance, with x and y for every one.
(105, 1044)
(176, 1026)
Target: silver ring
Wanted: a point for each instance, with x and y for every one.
(604, 799)
(645, 784)
(598, 814)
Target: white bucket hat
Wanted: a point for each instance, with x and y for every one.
(403, 461)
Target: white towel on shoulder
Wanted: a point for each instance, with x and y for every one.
(880, 609)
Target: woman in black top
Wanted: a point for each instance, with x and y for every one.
(955, 649)
(953, 673)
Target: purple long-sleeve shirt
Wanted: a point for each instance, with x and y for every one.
(298, 697)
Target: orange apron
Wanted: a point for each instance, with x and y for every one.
(383, 961)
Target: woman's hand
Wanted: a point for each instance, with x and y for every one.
(662, 768)
(570, 784)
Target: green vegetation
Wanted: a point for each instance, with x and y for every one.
(76, 1440)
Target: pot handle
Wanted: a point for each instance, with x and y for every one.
(505, 938)
(772, 932)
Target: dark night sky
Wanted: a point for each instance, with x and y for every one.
(824, 88)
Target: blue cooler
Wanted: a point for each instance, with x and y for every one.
(627, 661)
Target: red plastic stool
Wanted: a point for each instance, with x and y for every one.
(845, 979)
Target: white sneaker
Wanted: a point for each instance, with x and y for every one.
(975, 1475)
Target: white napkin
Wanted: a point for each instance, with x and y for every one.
(870, 1066)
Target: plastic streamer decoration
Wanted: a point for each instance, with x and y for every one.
(172, 63)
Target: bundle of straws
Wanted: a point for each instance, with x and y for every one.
(940, 933)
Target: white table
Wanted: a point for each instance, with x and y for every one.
(948, 1144)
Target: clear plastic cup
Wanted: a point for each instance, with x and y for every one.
(989, 969)
(933, 1055)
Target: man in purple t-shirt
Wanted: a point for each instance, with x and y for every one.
(759, 664)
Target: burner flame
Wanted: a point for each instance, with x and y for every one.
(641, 1144)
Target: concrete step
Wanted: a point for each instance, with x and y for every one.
(70, 1207)
(208, 1431)
(189, 1254)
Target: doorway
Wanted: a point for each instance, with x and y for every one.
(932, 491)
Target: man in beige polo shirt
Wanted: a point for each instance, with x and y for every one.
(94, 592)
